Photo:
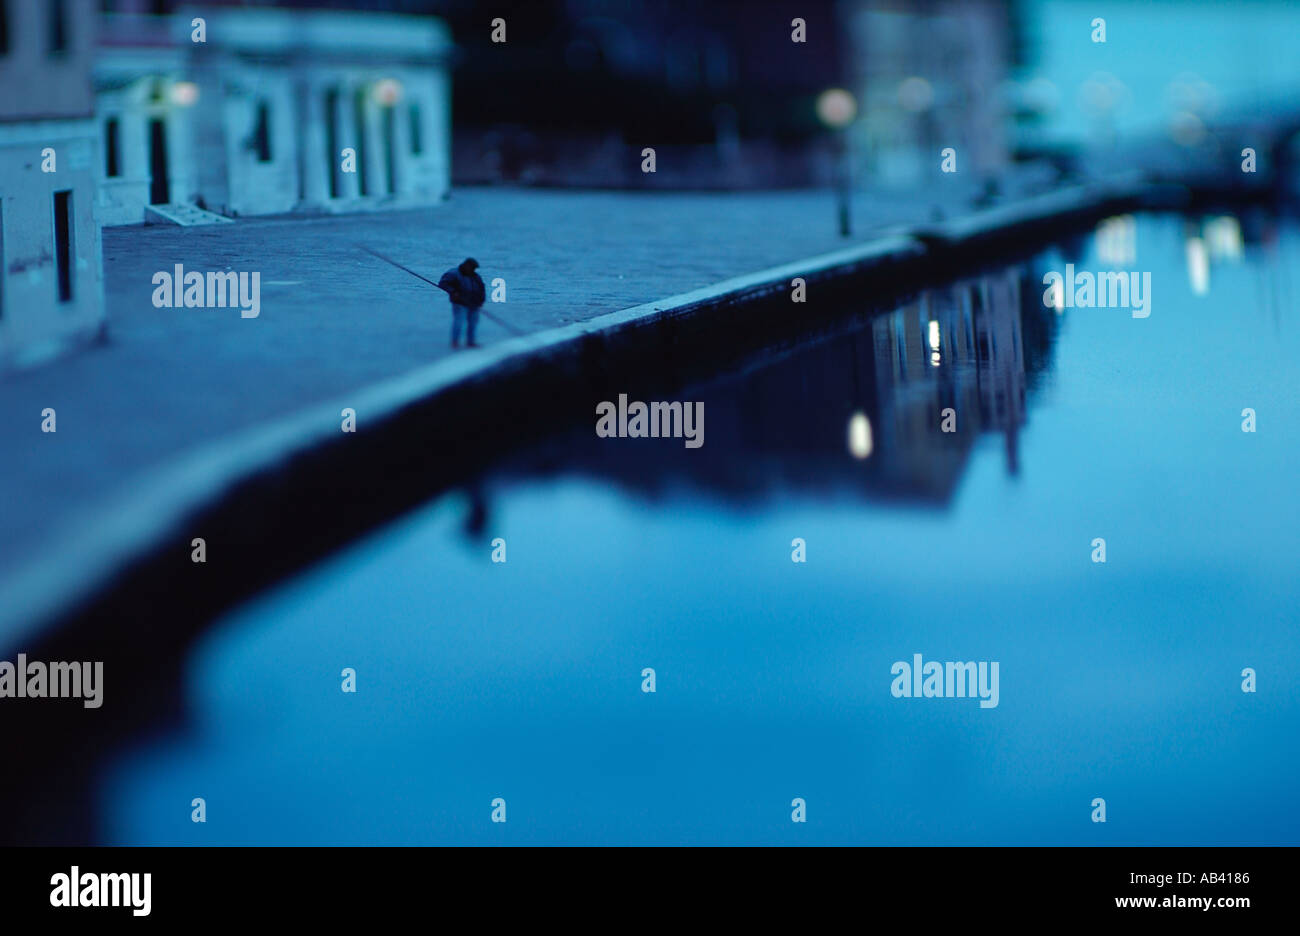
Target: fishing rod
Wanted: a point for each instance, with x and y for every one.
(374, 253)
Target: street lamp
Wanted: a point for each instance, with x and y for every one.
(184, 93)
(386, 91)
(836, 108)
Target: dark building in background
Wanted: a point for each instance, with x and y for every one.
(720, 90)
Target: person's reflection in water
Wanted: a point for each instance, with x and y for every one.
(477, 516)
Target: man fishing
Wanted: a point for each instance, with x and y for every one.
(467, 293)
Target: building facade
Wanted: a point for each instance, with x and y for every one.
(253, 112)
(927, 77)
(51, 273)
(144, 103)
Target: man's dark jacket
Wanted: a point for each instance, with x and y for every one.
(464, 289)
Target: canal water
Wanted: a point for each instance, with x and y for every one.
(522, 681)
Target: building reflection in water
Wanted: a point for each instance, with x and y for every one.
(1210, 241)
(949, 367)
(887, 409)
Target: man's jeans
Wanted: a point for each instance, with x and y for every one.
(459, 315)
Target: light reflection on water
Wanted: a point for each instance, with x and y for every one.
(522, 680)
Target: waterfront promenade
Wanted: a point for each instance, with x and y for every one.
(333, 319)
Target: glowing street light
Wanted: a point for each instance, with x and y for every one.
(184, 93)
(386, 91)
(836, 108)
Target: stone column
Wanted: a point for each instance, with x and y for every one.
(345, 121)
(314, 162)
(376, 184)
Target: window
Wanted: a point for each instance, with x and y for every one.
(4, 27)
(58, 26)
(63, 243)
(262, 132)
(111, 146)
(417, 138)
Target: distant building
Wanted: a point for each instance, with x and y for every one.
(51, 275)
(927, 77)
(724, 91)
(273, 111)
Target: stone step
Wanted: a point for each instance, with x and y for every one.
(184, 215)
